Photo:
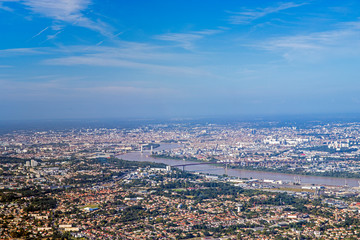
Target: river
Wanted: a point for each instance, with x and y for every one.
(211, 169)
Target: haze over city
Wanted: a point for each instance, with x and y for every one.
(135, 59)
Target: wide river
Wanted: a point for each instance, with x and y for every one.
(145, 156)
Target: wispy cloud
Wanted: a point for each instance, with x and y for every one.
(57, 86)
(6, 8)
(104, 61)
(186, 40)
(314, 41)
(70, 11)
(64, 11)
(248, 16)
(111, 38)
(39, 33)
(126, 50)
(22, 51)
(343, 40)
(157, 60)
(53, 36)
(153, 59)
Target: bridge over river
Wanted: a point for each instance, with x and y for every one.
(214, 168)
(205, 163)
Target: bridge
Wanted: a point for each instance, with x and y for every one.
(203, 163)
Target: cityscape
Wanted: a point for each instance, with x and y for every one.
(182, 180)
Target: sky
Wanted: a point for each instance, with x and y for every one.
(79, 59)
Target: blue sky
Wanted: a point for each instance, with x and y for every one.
(140, 59)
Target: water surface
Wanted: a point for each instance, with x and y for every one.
(145, 156)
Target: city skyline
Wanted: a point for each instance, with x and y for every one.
(139, 59)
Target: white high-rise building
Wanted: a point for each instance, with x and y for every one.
(34, 163)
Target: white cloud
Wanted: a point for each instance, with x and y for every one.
(247, 16)
(109, 61)
(22, 51)
(314, 41)
(342, 41)
(64, 11)
(39, 33)
(186, 40)
(126, 50)
(52, 36)
(130, 55)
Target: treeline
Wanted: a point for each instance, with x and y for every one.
(133, 164)
(12, 195)
(4, 160)
(132, 213)
(41, 204)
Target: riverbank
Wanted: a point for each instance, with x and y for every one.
(240, 173)
(163, 156)
(285, 171)
(317, 174)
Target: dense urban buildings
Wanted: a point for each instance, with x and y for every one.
(73, 184)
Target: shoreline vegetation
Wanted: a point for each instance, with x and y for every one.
(250, 168)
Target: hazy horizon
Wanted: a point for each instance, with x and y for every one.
(92, 59)
(299, 121)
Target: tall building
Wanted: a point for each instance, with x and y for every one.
(34, 163)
